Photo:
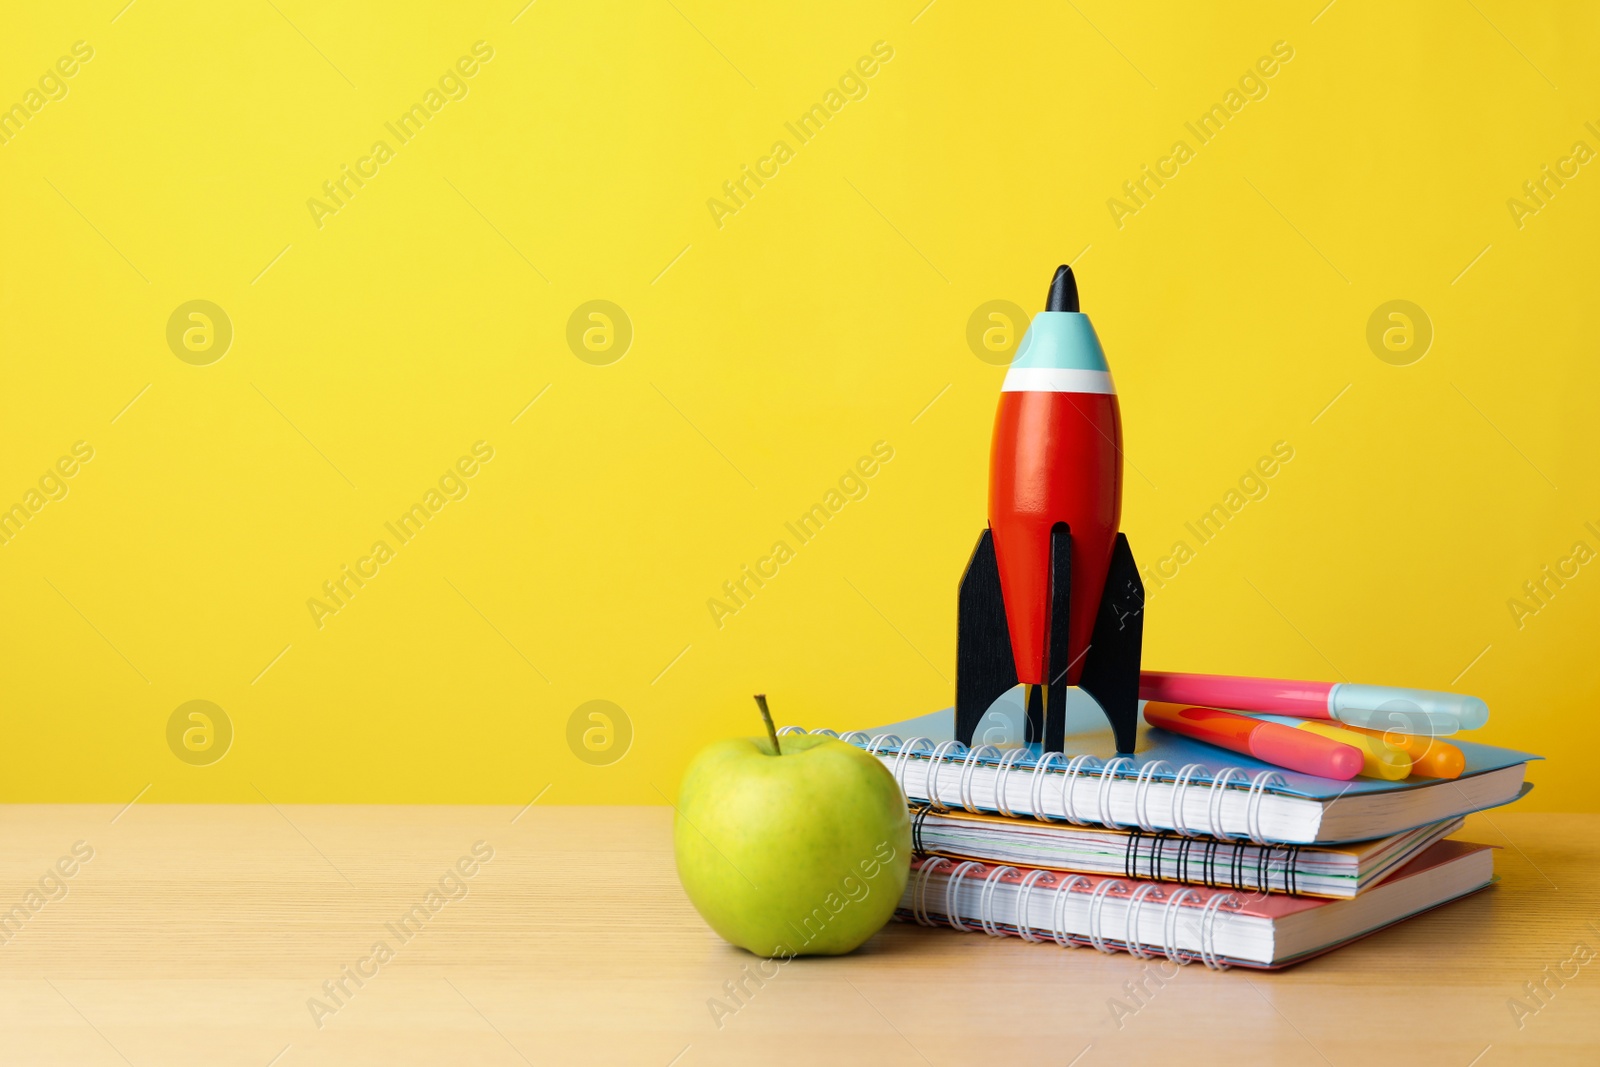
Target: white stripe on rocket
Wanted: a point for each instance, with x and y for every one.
(1057, 380)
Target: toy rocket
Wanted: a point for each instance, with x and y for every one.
(1051, 596)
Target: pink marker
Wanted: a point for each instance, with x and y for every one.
(1283, 746)
(1377, 707)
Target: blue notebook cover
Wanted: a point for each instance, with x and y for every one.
(1087, 732)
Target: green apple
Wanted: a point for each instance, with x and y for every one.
(796, 848)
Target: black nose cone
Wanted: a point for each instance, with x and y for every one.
(1063, 291)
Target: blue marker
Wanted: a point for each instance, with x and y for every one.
(1373, 707)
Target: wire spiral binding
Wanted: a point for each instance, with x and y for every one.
(1176, 815)
(1075, 767)
(919, 815)
(951, 912)
(1141, 792)
(1254, 869)
(1219, 789)
(1097, 905)
(903, 753)
(1130, 921)
(967, 767)
(899, 755)
(1058, 912)
(1102, 795)
(1169, 924)
(1258, 789)
(1186, 900)
(1036, 785)
(1208, 929)
(1173, 908)
(986, 900)
(1004, 768)
(881, 740)
(1024, 890)
(919, 893)
(944, 752)
(1130, 855)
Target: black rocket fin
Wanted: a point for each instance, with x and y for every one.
(985, 667)
(1111, 664)
(1055, 714)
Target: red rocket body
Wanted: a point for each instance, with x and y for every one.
(1055, 457)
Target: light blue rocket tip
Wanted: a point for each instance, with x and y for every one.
(1060, 340)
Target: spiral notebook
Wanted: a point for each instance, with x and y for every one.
(1298, 869)
(1220, 928)
(1175, 783)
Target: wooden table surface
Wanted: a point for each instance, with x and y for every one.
(201, 934)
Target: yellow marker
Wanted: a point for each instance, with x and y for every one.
(1430, 757)
(1379, 758)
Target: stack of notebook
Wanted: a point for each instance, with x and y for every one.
(1183, 850)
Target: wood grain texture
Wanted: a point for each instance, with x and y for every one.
(197, 934)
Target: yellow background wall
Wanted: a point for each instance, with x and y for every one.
(769, 353)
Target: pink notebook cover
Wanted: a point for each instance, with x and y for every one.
(1266, 906)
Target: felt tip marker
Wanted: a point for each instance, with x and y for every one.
(1376, 707)
(1379, 758)
(1271, 742)
(1430, 757)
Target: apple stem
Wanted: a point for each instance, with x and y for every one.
(766, 717)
